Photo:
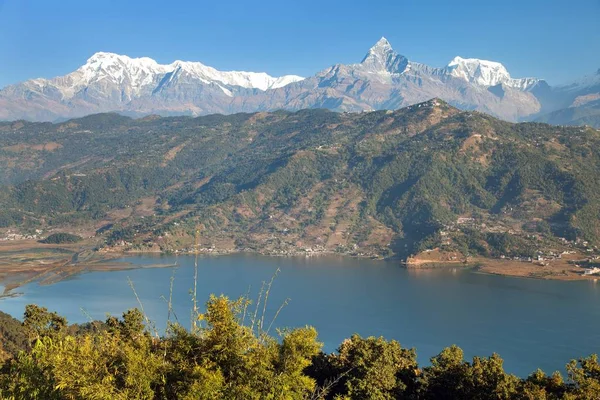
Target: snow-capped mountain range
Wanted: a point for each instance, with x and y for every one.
(383, 79)
(137, 73)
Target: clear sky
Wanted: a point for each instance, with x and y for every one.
(558, 40)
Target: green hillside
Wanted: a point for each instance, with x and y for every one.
(384, 183)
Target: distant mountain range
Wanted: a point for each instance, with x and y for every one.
(577, 103)
(384, 79)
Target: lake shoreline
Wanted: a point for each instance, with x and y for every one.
(40, 263)
(560, 269)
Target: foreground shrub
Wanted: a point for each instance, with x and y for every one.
(222, 357)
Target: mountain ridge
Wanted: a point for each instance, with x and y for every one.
(384, 79)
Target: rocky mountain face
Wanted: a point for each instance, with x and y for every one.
(384, 79)
(387, 80)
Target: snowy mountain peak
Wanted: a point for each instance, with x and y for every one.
(382, 58)
(384, 79)
(139, 72)
(381, 48)
(250, 80)
(481, 72)
(104, 61)
(130, 74)
(103, 56)
(486, 73)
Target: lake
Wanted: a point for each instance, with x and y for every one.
(530, 323)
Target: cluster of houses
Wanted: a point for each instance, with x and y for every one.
(541, 258)
(10, 235)
(591, 271)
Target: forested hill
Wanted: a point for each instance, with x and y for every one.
(376, 183)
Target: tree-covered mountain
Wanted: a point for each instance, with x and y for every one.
(374, 183)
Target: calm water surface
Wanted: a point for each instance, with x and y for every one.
(530, 323)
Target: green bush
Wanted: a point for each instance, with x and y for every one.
(61, 238)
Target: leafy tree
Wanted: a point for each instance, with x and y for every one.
(585, 375)
(373, 368)
(450, 377)
(39, 322)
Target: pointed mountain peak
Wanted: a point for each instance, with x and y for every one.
(380, 50)
(382, 58)
(382, 44)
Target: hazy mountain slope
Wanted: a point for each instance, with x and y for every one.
(579, 103)
(377, 183)
(586, 114)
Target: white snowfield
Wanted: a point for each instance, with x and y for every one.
(486, 73)
(138, 73)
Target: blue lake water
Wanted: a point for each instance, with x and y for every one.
(530, 323)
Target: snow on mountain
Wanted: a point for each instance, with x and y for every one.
(486, 73)
(382, 58)
(118, 67)
(120, 70)
(384, 79)
(586, 82)
(249, 80)
(481, 72)
(133, 75)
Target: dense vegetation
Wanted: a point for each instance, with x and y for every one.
(379, 183)
(61, 238)
(230, 355)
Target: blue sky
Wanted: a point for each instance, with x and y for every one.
(556, 40)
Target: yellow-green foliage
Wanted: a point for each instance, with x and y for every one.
(376, 369)
(224, 359)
